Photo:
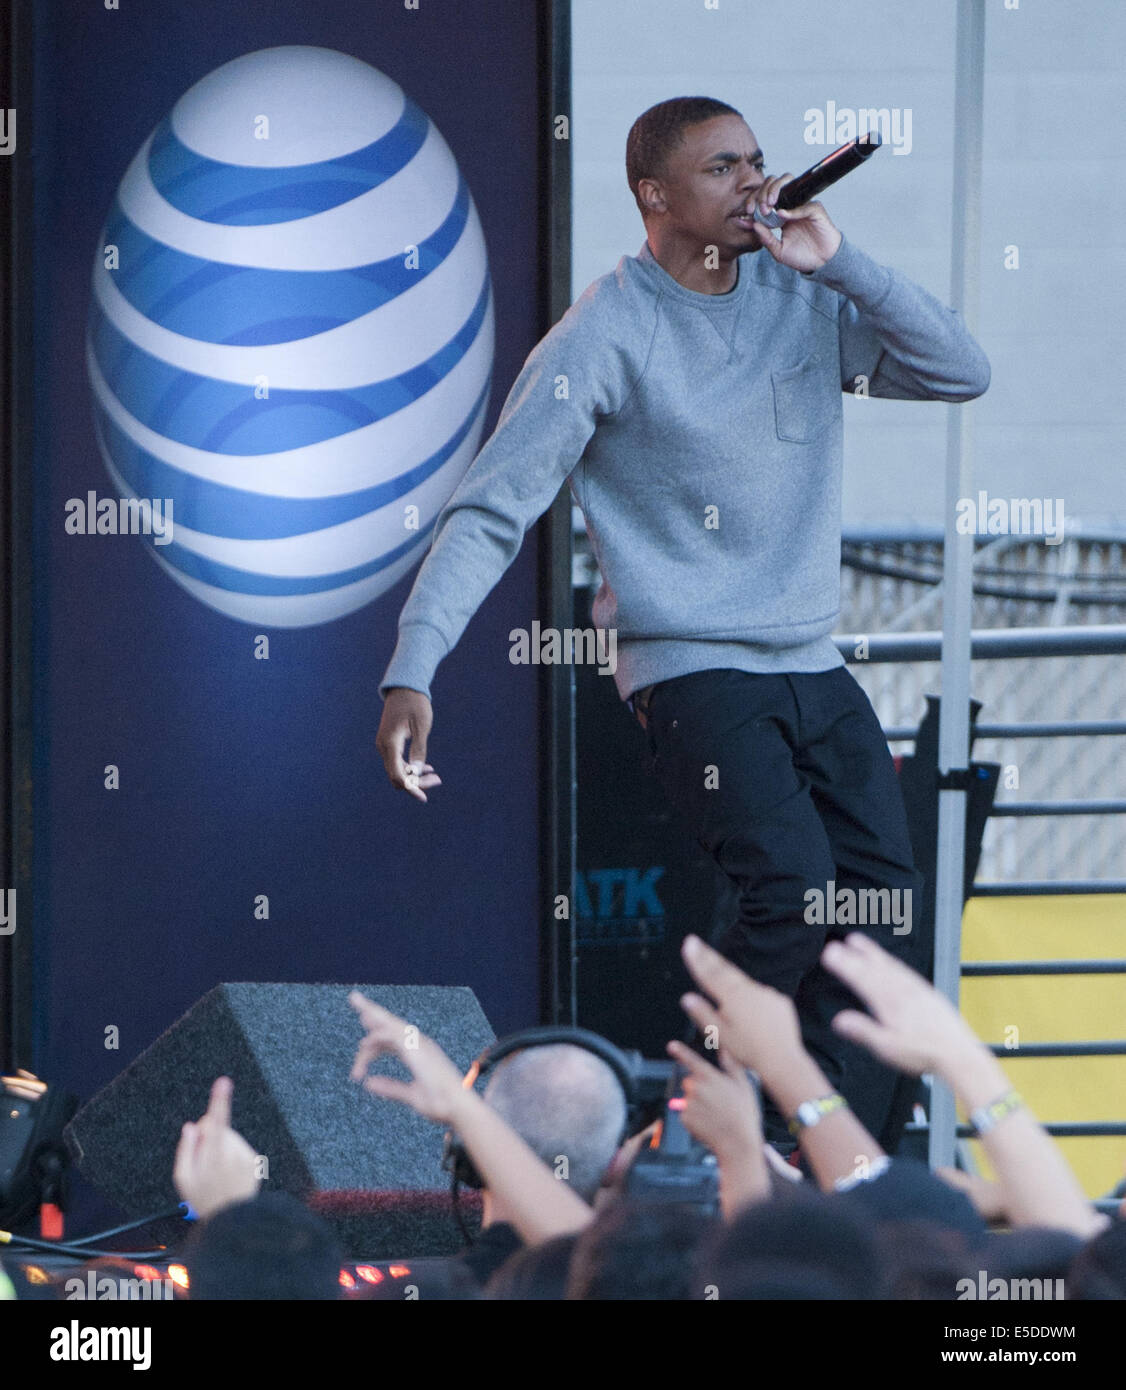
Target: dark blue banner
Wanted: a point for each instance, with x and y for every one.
(286, 270)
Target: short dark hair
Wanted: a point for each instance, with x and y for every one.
(798, 1245)
(269, 1247)
(538, 1273)
(658, 131)
(922, 1259)
(1098, 1272)
(637, 1250)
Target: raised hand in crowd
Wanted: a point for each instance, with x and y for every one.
(988, 1197)
(214, 1166)
(542, 1205)
(758, 1026)
(722, 1112)
(916, 1028)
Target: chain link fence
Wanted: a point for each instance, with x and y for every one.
(895, 586)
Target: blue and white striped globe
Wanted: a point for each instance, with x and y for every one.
(296, 345)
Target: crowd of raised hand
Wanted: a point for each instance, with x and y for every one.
(849, 1223)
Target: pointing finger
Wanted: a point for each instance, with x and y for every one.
(702, 1014)
(858, 1028)
(869, 972)
(691, 1061)
(372, 1015)
(219, 1106)
(711, 971)
(848, 964)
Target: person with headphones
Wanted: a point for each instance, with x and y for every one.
(569, 1094)
(558, 1104)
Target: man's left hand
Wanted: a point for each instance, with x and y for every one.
(809, 238)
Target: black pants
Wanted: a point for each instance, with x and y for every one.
(787, 781)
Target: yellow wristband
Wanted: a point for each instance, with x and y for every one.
(988, 1117)
(812, 1112)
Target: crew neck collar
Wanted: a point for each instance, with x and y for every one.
(673, 286)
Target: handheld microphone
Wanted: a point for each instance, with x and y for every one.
(828, 170)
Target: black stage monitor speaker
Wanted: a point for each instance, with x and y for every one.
(370, 1166)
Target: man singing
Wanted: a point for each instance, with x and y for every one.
(691, 399)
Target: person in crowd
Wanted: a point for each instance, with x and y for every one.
(911, 1026)
(248, 1244)
(1098, 1271)
(868, 1226)
(569, 1108)
(270, 1246)
(536, 1203)
(801, 1244)
(536, 1273)
(637, 1250)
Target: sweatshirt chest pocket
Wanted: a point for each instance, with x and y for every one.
(803, 407)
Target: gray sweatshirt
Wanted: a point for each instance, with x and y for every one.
(702, 437)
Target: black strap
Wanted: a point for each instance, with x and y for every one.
(958, 779)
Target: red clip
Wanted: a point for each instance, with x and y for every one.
(50, 1222)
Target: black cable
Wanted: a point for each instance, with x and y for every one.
(856, 550)
(28, 1245)
(898, 550)
(177, 1210)
(82, 1246)
(903, 574)
(455, 1194)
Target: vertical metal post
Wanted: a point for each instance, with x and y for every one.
(558, 819)
(17, 442)
(957, 613)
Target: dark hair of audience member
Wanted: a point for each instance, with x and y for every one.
(538, 1273)
(273, 1247)
(921, 1259)
(799, 1245)
(1033, 1252)
(637, 1250)
(1098, 1272)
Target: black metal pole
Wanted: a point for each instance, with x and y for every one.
(16, 1032)
(557, 700)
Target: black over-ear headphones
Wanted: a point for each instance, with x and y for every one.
(624, 1065)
